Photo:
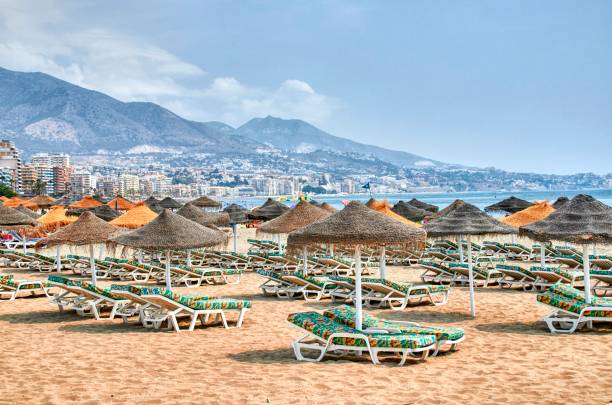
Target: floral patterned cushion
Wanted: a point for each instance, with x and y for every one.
(273, 274)
(346, 315)
(518, 269)
(342, 279)
(600, 272)
(7, 281)
(571, 293)
(324, 327)
(570, 305)
(569, 257)
(63, 280)
(570, 275)
(406, 288)
(100, 291)
(198, 302)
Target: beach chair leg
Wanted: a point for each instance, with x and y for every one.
(241, 317)
(194, 319)
(172, 319)
(224, 320)
(297, 346)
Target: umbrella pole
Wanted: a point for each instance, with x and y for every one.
(594, 249)
(92, 265)
(460, 243)
(305, 259)
(189, 257)
(25, 248)
(471, 277)
(383, 262)
(101, 252)
(168, 269)
(358, 302)
(234, 228)
(513, 238)
(587, 273)
(542, 255)
(58, 258)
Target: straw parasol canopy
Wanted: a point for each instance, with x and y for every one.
(86, 202)
(170, 231)
(355, 225)
(195, 214)
(28, 212)
(303, 214)
(423, 205)
(451, 207)
(138, 216)
(561, 201)
(88, 229)
(237, 213)
(509, 205)
(11, 218)
(3, 198)
(327, 207)
(409, 211)
(120, 203)
(170, 203)
(103, 212)
(43, 201)
(269, 210)
(55, 218)
(583, 220)
(14, 202)
(384, 208)
(466, 219)
(206, 202)
(536, 212)
(64, 200)
(151, 200)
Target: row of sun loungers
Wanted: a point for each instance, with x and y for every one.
(377, 292)
(153, 306)
(334, 332)
(11, 288)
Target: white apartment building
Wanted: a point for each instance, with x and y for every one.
(51, 159)
(129, 184)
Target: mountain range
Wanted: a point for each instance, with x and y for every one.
(41, 113)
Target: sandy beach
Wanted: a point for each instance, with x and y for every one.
(508, 356)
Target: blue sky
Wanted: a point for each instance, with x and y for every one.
(519, 85)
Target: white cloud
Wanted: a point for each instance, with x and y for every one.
(132, 69)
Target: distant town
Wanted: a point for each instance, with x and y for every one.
(269, 173)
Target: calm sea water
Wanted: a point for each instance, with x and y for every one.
(479, 199)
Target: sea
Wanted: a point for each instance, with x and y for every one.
(479, 199)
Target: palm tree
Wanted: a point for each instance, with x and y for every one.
(39, 187)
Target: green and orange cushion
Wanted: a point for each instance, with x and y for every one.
(318, 281)
(324, 327)
(570, 257)
(199, 302)
(431, 263)
(63, 280)
(478, 270)
(601, 272)
(571, 275)
(572, 305)
(518, 269)
(407, 288)
(8, 281)
(276, 275)
(342, 279)
(346, 315)
(105, 292)
(571, 293)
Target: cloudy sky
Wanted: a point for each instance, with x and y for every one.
(519, 85)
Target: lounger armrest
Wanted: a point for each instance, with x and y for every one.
(376, 330)
(403, 323)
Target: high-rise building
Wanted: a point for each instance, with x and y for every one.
(107, 186)
(29, 175)
(81, 183)
(129, 184)
(10, 165)
(61, 179)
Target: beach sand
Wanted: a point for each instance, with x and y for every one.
(508, 356)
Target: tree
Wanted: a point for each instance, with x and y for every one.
(6, 191)
(39, 187)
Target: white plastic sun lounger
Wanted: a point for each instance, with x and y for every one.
(12, 288)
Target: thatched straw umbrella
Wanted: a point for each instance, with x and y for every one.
(43, 201)
(583, 221)
(65, 200)
(304, 213)
(14, 202)
(138, 216)
(103, 212)
(206, 202)
(561, 201)
(269, 210)
(327, 207)
(170, 231)
(28, 212)
(537, 212)
(151, 200)
(509, 205)
(468, 220)
(170, 203)
(451, 207)
(54, 218)
(410, 212)
(120, 203)
(356, 225)
(88, 229)
(423, 205)
(86, 202)
(11, 219)
(3, 198)
(237, 213)
(207, 219)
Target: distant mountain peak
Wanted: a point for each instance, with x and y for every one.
(42, 113)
